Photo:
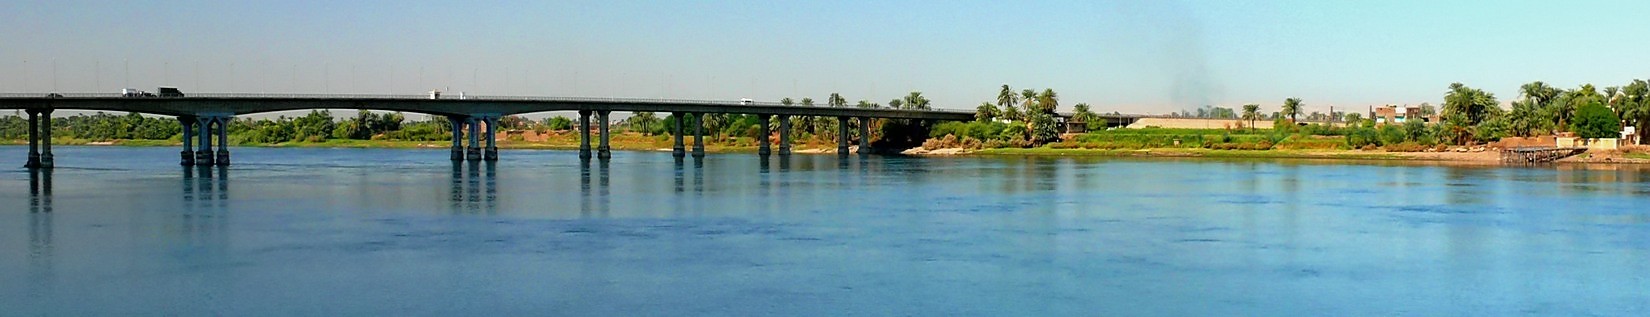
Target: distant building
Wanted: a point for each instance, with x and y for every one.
(1395, 114)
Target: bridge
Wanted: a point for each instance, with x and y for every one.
(206, 117)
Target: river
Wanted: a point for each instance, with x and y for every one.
(125, 231)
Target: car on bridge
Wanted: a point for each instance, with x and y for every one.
(134, 93)
(746, 101)
(169, 92)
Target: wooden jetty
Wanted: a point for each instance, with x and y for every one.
(1537, 154)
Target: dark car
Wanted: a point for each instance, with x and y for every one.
(169, 92)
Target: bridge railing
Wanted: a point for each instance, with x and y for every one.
(426, 97)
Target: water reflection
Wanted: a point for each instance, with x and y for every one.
(199, 225)
(40, 190)
(594, 199)
(206, 184)
(41, 248)
(472, 187)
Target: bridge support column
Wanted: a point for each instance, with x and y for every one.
(188, 155)
(676, 133)
(473, 153)
(842, 136)
(699, 135)
(864, 136)
(762, 139)
(491, 152)
(458, 137)
(34, 139)
(223, 140)
(46, 160)
(784, 134)
(584, 134)
(603, 151)
(203, 154)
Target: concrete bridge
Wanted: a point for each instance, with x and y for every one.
(205, 117)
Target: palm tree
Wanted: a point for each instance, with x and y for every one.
(1291, 107)
(1251, 112)
(1006, 97)
(643, 121)
(806, 122)
(985, 112)
(896, 104)
(916, 101)
(863, 104)
(1081, 113)
(1637, 107)
(836, 101)
(1012, 113)
(787, 101)
(1539, 92)
(1048, 101)
(1028, 99)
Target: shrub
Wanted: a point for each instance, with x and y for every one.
(1595, 121)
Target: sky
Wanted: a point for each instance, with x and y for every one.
(1146, 57)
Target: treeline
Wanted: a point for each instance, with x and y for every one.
(317, 126)
(96, 127)
(1017, 119)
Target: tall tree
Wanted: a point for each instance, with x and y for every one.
(836, 101)
(916, 101)
(1048, 101)
(985, 112)
(1538, 92)
(1637, 107)
(1472, 104)
(1081, 113)
(1012, 113)
(1028, 99)
(1291, 108)
(1251, 112)
(1006, 97)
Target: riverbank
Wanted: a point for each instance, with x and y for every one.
(1480, 157)
(636, 142)
(560, 141)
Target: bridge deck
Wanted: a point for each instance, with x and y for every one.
(240, 104)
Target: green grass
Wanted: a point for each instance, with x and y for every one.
(1179, 152)
(1642, 156)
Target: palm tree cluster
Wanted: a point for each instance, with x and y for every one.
(1038, 116)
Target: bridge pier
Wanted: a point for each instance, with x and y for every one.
(458, 137)
(676, 133)
(584, 134)
(473, 152)
(762, 139)
(188, 155)
(46, 159)
(699, 135)
(603, 151)
(204, 156)
(864, 136)
(784, 134)
(491, 152)
(34, 139)
(223, 140)
(842, 136)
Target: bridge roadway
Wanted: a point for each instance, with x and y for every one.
(205, 117)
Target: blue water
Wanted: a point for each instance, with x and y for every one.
(125, 231)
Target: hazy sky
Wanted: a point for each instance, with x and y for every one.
(1128, 56)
